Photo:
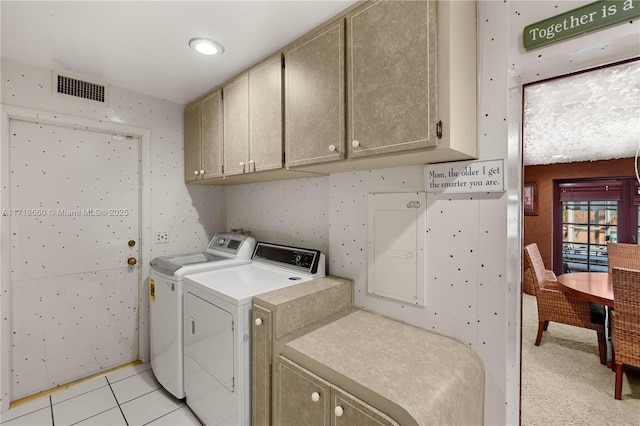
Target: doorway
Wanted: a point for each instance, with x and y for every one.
(72, 252)
(585, 216)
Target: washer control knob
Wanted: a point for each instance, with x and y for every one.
(315, 397)
(258, 321)
(355, 144)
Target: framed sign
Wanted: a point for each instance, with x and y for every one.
(530, 199)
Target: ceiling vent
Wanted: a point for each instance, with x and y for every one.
(83, 89)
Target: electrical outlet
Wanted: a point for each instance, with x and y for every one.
(162, 237)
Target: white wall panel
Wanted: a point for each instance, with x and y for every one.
(289, 212)
(190, 214)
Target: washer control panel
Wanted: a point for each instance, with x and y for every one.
(305, 260)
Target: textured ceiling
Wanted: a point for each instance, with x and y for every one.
(588, 116)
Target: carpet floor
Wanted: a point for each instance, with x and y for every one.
(563, 382)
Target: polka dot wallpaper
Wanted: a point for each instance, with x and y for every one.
(76, 307)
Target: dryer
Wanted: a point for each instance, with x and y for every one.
(217, 323)
(166, 304)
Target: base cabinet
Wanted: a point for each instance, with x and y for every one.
(261, 350)
(304, 398)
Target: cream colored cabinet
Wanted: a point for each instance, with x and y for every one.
(253, 119)
(314, 97)
(261, 350)
(304, 398)
(203, 138)
(391, 77)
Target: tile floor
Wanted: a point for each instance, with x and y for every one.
(131, 396)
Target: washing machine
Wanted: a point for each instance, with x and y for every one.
(217, 324)
(166, 304)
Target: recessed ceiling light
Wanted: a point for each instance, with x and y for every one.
(206, 46)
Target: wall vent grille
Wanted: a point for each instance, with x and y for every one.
(81, 89)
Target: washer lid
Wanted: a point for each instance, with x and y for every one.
(168, 265)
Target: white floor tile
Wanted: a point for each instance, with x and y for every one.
(83, 406)
(79, 389)
(36, 418)
(135, 386)
(111, 417)
(128, 372)
(25, 408)
(149, 407)
(182, 416)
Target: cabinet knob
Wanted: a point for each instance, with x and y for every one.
(315, 397)
(195, 172)
(201, 172)
(258, 321)
(332, 148)
(338, 411)
(355, 144)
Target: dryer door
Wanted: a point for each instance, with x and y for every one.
(208, 340)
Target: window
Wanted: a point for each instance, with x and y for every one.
(589, 214)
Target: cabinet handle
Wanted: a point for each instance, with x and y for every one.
(339, 411)
(195, 172)
(315, 397)
(193, 326)
(258, 321)
(332, 148)
(355, 144)
(241, 165)
(252, 163)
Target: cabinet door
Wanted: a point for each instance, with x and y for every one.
(314, 98)
(236, 127)
(192, 136)
(348, 410)
(265, 115)
(261, 371)
(212, 135)
(391, 57)
(302, 398)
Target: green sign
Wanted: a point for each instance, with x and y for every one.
(578, 21)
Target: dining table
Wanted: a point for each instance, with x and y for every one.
(594, 287)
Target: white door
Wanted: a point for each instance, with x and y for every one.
(74, 207)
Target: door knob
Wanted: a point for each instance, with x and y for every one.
(132, 261)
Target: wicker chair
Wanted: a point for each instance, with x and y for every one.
(622, 255)
(554, 305)
(625, 321)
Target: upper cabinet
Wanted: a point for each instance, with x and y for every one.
(236, 126)
(253, 119)
(314, 97)
(203, 138)
(391, 77)
(384, 84)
